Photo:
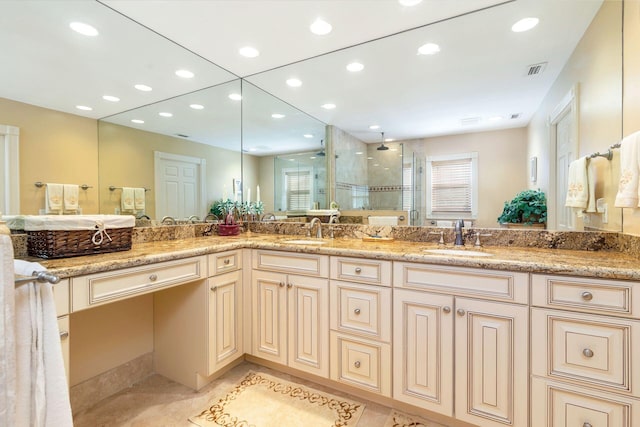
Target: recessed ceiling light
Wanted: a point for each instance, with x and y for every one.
(389, 140)
(308, 135)
(320, 27)
(84, 29)
(252, 149)
(249, 52)
(393, 149)
(143, 88)
(165, 114)
(358, 152)
(374, 127)
(111, 98)
(185, 74)
(376, 164)
(386, 169)
(354, 67)
(293, 82)
(369, 158)
(137, 121)
(329, 106)
(524, 24)
(409, 3)
(235, 97)
(428, 49)
(83, 108)
(277, 115)
(197, 106)
(312, 157)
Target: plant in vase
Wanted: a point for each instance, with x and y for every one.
(529, 207)
(227, 210)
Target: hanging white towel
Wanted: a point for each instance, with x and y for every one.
(383, 220)
(42, 393)
(71, 194)
(7, 335)
(139, 198)
(127, 199)
(53, 199)
(591, 179)
(627, 196)
(577, 184)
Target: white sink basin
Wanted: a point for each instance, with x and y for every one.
(457, 252)
(305, 242)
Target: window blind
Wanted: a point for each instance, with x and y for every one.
(407, 186)
(298, 185)
(452, 186)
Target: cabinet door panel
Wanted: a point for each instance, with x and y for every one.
(269, 316)
(491, 363)
(224, 319)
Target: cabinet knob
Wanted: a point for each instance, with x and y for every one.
(446, 309)
(461, 312)
(227, 261)
(64, 335)
(289, 285)
(358, 270)
(587, 352)
(587, 296)
(586, 425)
(357, 364)
(281, 284)
(356, 311)
(214, 288)
(153, 277)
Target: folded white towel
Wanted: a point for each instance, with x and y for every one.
(383, 220)
(627, 196)
(42, 393)
(139, 198)
(53, 198)
(127, 199)
(7, 335)
(577, 184)
(71, 193)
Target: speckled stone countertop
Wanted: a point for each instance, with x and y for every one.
(597, 264)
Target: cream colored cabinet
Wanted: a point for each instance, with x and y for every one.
(61, 295)
(586, 331)
(63, 327)
(224, 323)
(290, 311)
(449, 342)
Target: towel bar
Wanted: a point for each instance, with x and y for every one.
(112, 188)
(40, 184)
(38, 276)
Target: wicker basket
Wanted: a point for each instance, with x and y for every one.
(60, 244)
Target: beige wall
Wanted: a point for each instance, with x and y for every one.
(54, 147)
(501, 160)
(595, 67)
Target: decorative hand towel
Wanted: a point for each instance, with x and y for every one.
(7, 335)
(139, 198)
(577, 184)
(627, 196)
(53, 198)
(127, 199)
(383, 220)
(71, 193)
(42, 393)
(591, 179)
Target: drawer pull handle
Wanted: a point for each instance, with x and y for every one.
(153, 277)
(357, 364)
(446, 309)
(227, 261)
(289, 285)
(587, 352)
(356, 311)
(587, 296)
(461, 312)
(214, 288)
(358, 270)
(64, 335)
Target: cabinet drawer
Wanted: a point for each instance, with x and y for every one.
(361, 309)
(595, 350)
(494, 284)
(361, 363)
(361, 270)
(224, 262)
(558, 405)
(102, 288)
(591, 295)
(61, 297)
(288, 262)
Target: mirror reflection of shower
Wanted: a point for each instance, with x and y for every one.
(300, 182)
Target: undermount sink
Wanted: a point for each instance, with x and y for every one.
(457, 252)
(305, 242)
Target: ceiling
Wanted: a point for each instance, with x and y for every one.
(480, 72)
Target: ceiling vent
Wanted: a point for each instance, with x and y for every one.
(181, 135)
(536, 69)
(515, 116)
(469, 121)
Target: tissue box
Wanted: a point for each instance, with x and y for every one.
(59, 236)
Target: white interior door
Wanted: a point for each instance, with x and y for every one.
(10, 180)
(180, 183)
(565, 154)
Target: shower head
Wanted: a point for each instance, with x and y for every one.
(382, 147)
(321, 153)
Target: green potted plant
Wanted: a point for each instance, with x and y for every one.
(226, 211)
(529, 207)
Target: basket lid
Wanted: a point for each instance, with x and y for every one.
(76, 222)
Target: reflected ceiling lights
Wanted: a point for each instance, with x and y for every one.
(524, 24)
(320, 27)
(143, 88)
(186, 74)
(329, 106)
(293, 82)
(111, 98)
(83, 108)
(409, 3)
(165, 114)
(277, 116)
(84, 29)
(235, 97)
(197, 106)
(137, 121)
(354, 67)
(308, 135)
(428, 49)
(374, 127)
(249, 52)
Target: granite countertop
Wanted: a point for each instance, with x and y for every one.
(597, 264)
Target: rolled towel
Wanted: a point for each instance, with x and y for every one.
(71, 193)
(577, 184)
(139, 198)
(627, 196)
(127, 199)
(383, 220)
(53, 199)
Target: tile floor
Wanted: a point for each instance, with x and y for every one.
(157, 402)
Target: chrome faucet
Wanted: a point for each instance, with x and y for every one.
(457, 229)
(143, 216)
(168, 220)
(313, 222)
(193, 218)
(334, 219)
(211, 216)
(268, 216)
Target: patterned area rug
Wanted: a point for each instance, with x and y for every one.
(399, 419)
(262, 400)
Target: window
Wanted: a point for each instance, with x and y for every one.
(452, 186)
(297, 189)
(407, 186)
